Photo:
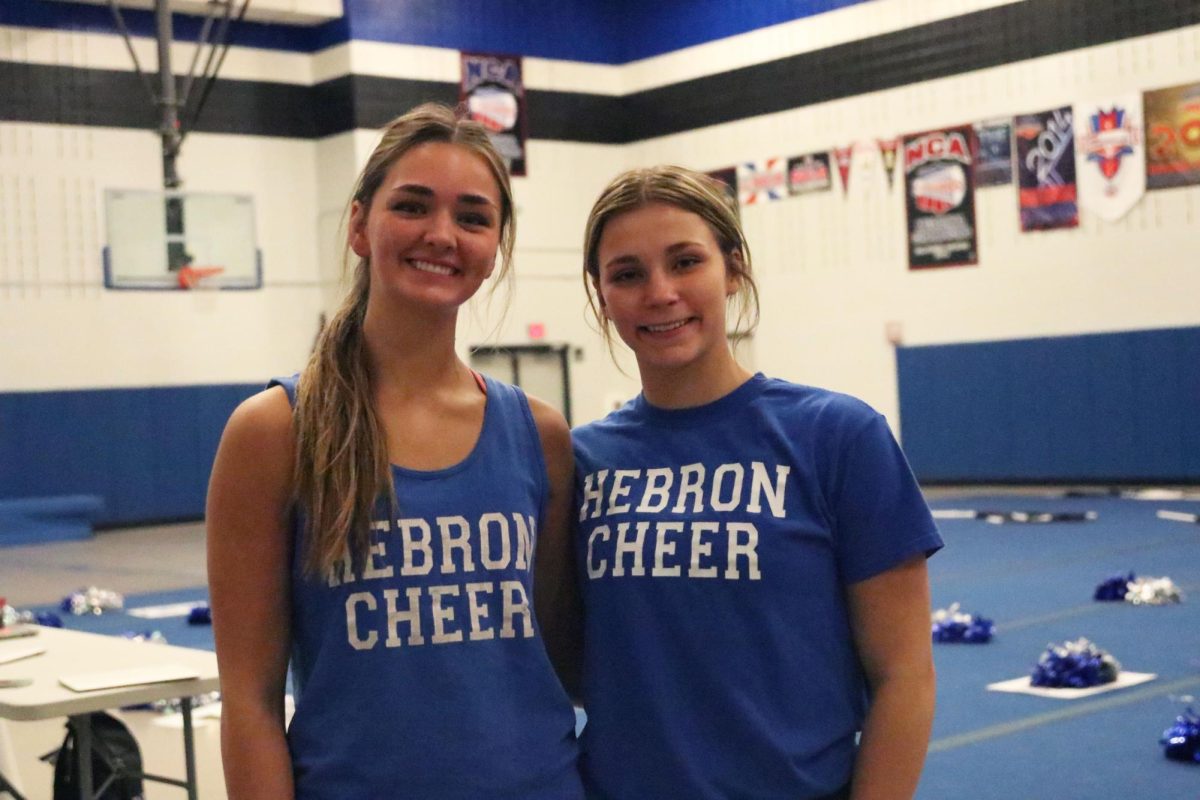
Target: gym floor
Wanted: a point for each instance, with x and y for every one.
(1034, 580)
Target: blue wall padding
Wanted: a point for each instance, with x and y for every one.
(146, 452)
(1119, 407)
(35, 520)
(596, 31)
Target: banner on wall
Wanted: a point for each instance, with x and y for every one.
(1110, 160)
(887, 152)
(761, 181)
(1173, 136)
(940, 198)
(844, 156)
(809, 173)
(993, 156)
(727, 177)
(1046, 170)
(494, 94)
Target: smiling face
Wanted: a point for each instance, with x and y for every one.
(432, 228)
(663, 283)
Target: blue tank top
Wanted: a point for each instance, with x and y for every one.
(421, 673)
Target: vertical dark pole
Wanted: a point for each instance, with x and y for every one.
(83, 748)
(168, 101)
(564, 356)
(189, 747)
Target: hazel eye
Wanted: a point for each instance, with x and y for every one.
(408, 207)
(476, 220)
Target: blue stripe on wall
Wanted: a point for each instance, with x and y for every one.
(147, 452)
(98, 19)
(1119, 407)
(596, 31)
(668, 25)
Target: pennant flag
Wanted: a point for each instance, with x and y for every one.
(843, 156)
(887, 150)
(1110, 156)
(1046, 170)
(762, 181)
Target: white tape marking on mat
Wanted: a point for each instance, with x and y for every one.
(164, 611)
(1178, 516)
(1069, 712)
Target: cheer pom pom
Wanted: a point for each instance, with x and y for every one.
(47, 619)
(1153, 592)
(952, 626)
(200, 615)
(92, 601)
(1114, 589)
(1074, 665)
(151, 637)
(1181, 741)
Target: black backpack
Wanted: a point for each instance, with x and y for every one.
(116, 761)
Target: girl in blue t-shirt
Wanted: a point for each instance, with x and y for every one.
(751, 552)
(373, 521)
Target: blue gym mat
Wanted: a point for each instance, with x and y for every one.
(1036, 582)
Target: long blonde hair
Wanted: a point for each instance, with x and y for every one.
(690, 191)
(342, 471)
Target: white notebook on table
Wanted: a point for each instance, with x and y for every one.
(129, 676)
(10, 653)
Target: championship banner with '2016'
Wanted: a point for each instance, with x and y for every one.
(940, 197)
(1046, 169)
(493, 92)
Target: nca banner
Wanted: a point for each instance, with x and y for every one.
(940, 197)
(1110, 156)
(492, 90)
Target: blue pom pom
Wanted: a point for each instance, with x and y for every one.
(951, 626)
(1181, 741)
(1074, 665)
(1114, 588)
(48, 619)
(200, 615)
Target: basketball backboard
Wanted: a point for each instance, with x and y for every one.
(180, 240)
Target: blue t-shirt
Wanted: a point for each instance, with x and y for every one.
(421, 674)
(714, 546)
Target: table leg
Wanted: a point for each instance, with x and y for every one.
(83, 747)
(8, 788)
(8, 762)
(189, 747)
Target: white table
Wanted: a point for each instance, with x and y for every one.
(73, 652)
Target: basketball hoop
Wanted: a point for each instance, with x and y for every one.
(195, 277)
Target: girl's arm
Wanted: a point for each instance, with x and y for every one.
(889, 615)
(249, 550)
(555, 592)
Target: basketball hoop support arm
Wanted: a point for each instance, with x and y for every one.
(168, 99)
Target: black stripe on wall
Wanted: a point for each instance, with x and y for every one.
(983, 39)
(1003, 35)
(112, 98)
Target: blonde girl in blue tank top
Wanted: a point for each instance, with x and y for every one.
(374, 520)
